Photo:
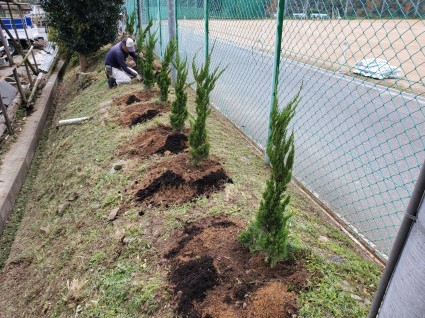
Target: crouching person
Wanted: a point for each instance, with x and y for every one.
(116, 67)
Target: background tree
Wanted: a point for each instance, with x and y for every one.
(163, 79)
(269, 232)
(179, 111)
(83, 26)
(205, 82)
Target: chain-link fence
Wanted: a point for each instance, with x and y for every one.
(359, 136)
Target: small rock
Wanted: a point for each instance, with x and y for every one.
(73, 196)
(63, 207)
(356, 297)
(345, 286)
(45, 230)
(178, 296)
(244, 305)
(367, 302)
(113, 215)
(167, 152)
(118, 165)
(323, 239)
(112, 171)
(142, 213)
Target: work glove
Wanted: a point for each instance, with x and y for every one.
(139, 77)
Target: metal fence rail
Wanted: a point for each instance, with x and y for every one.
(359, 140)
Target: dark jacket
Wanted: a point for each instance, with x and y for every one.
(116, 57)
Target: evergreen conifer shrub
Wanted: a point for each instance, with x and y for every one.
(269, 232)
(205, 82)
(148, 74)
(130, 22)
(163, 79)
(140, 44)
(179, 111)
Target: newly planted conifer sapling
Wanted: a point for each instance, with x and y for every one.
(269, 232)
(205, 83)
(179, 111)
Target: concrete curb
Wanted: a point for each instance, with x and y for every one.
(18, 159)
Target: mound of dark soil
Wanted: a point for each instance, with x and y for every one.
(192, 280)
(176, 180)
(245, 286)
(135, 97)
(141, 112)
(156, 140)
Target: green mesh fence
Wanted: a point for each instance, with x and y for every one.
(359, 137)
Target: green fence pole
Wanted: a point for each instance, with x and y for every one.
(177, 24)
(277, 49)
(149, 14)
(206, 18)
(172, 33)
(160, 28)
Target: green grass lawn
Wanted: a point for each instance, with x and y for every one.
(68, 259)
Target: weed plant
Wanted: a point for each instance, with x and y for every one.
(148, 73)
(269, 232)
(205, 83)
(163, 79)
(179, 111)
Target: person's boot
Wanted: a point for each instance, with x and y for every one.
(112, 82)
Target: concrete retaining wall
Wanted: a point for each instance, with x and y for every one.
(18, 159)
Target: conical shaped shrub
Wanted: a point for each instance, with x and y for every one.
(269, 232)
(205, 83)
(163, 79)
(179, 111)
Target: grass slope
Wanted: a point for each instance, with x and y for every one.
(69, 260)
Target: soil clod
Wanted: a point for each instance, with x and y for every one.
(168, 179)
(140, 119)
(141, 112)
(194, 279)
(177, 181)
(135, 97)
(131, 100)
(156, 140)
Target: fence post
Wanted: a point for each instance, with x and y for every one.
(172, 33)
(176, 19)
(206, 19)
(160, 27)
(148, 14)
(139, 14)
(277, 49)
(390, 284)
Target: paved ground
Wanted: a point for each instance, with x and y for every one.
(334, 44)
(359, 146)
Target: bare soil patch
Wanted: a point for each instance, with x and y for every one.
(176, 180)
(135, 97)
(213, 275)
(157, 140)
(141, 112)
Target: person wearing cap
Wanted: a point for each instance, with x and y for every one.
(116, 67)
